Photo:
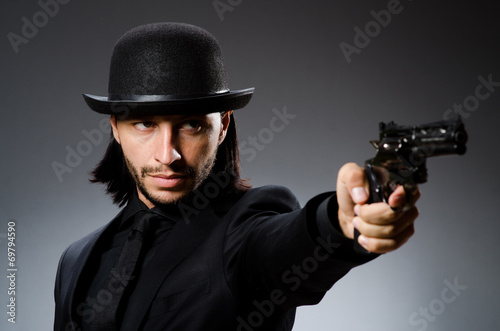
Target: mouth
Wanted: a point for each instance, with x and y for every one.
(168, 181)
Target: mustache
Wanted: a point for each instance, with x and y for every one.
(185, 170)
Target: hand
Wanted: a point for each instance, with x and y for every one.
(382, 227)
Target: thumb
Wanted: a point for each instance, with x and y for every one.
(359, 194)
(351, 186)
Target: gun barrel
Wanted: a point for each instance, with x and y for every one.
(438, 149)
(450, 142)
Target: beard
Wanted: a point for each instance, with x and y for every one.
(197, 177)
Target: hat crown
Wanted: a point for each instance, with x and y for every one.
(174, 59)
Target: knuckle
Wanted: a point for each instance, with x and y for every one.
(384, 246)
(391, 216)
(350, 170)
(390, 231)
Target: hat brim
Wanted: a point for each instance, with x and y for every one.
(169, 105)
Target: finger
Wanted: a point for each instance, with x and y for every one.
(378, 245)
(352, 179)
(387, 231)
(397, 199)
(400, 199)
(378, 213)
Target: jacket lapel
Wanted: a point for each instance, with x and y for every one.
(183, 239)
(85, 248)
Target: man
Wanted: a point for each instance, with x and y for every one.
(195, 248)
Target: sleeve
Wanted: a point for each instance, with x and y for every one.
(275, 248)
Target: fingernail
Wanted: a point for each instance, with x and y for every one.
(362, 241)
(358, 194)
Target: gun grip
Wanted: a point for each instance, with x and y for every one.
(376, 195)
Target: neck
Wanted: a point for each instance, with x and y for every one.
(144, 200)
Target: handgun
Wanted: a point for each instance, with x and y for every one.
(401, 156)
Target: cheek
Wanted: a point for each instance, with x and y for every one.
(199, 149)
(137, 153)
(191, 149)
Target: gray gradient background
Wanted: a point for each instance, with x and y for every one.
(424, 61)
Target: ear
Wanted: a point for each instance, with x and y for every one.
(114, 127)
(226, 119)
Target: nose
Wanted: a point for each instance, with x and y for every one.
(166, 150)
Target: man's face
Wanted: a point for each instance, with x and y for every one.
(170, 155)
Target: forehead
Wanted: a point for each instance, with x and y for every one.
(171, 118)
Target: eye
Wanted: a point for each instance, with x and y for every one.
(144, 125)
(192, 125)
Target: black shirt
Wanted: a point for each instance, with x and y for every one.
(107, 251)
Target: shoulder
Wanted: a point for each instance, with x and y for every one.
(83, 246)
(272, 194)
(75, 249)
(269, 190)
(72, 259)
(269, 199)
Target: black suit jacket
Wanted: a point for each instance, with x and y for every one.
(243, 263)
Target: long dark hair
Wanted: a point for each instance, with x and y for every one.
(112, 170)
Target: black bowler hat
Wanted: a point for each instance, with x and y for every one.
(167, 69)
